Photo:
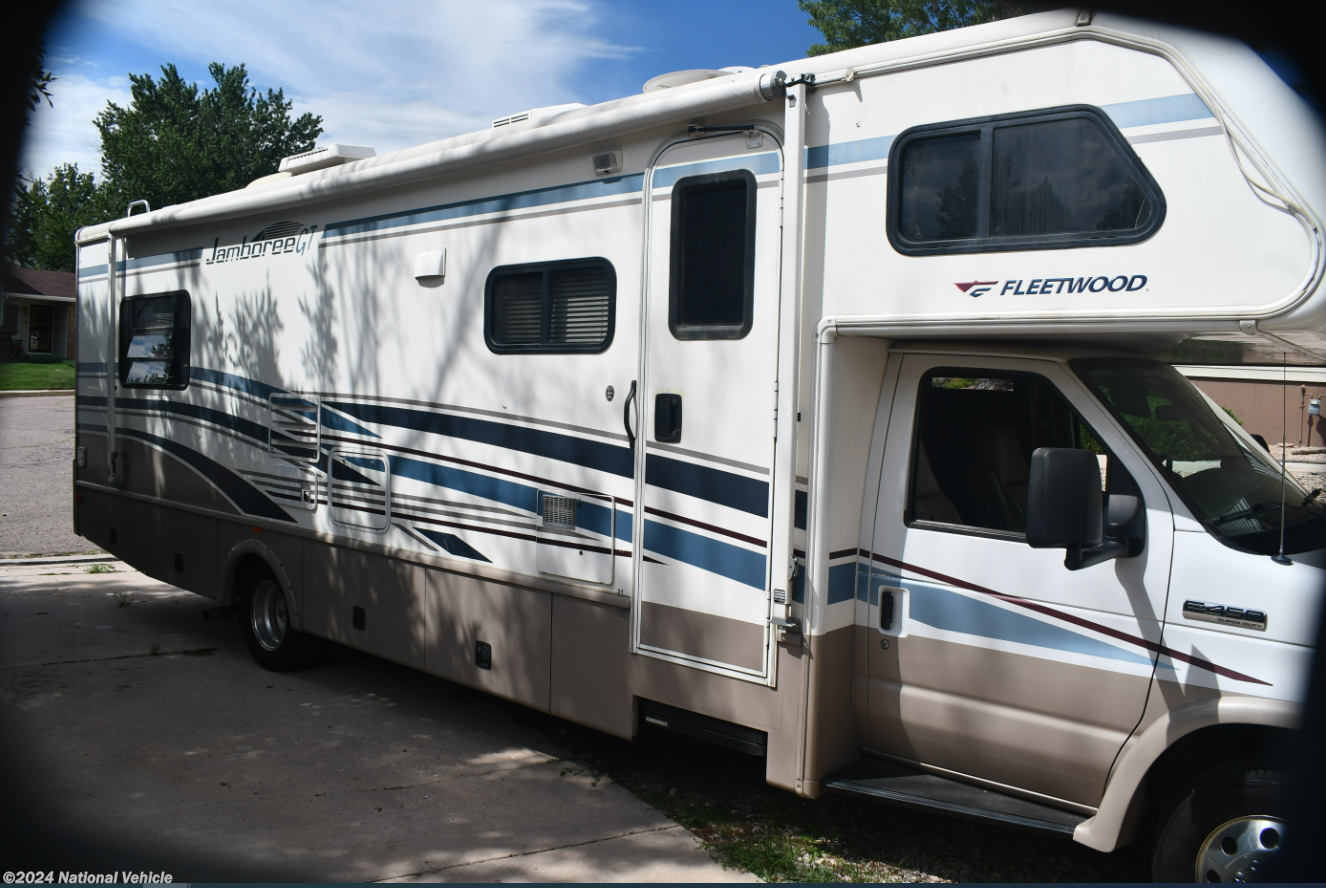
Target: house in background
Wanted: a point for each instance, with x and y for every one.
(38, 312)
(1274, 402)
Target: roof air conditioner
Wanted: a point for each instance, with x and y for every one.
(321, 158)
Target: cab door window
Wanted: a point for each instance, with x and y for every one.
(975, 433)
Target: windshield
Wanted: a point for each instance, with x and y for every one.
(1229, 481)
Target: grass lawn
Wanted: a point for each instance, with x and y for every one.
(36, 372)
(722, 798)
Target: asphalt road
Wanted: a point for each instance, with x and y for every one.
(36, 449)
(140, 736)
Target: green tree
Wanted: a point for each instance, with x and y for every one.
(176, 143)
(846, 24)
(48, 213)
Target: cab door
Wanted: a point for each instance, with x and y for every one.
(986, 658)
(706, 409)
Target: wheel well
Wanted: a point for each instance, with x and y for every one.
(1206, 747)
(248, 569)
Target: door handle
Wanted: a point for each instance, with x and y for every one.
(626, 416)
(667, 418)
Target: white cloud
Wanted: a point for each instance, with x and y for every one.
(64, 133)
(386, 75)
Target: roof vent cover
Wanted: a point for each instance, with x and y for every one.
(514, 118)
(326, 156)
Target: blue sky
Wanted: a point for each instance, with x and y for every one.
(399, 73)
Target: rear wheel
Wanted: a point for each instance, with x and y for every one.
(265, 618)
(1225, 826)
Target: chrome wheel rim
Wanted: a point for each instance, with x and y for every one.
(1240, 850)
(267, 615)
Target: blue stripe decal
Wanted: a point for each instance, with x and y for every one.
(338, 423)
(595, 518)
(702, 482)
(952, 611)
(578, 451)
(145, 262)
(835, 153)
(799, 510)
(91, 367)
(244, 427)
(241, 493)
(590, 516)
(521, 200)
(842, 580)
(238, 383)
(453, 544)
(706, 553)
(508, 493)
(758, 164)
(1167, 109)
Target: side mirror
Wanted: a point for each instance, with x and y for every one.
(1064, 501)
(1065, 508)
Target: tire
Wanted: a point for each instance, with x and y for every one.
(1226, 825)
(263, 615)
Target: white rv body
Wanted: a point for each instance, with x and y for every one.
(349, 419)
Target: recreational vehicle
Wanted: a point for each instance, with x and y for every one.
(824, 410)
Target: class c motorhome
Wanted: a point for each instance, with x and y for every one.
(823, 410)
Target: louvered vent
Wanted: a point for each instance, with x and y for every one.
(559, 307)
(518, 318)
(559, 511)
(579, 304)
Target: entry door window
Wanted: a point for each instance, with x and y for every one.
(712, 289)
(976, 431)
(40, 326)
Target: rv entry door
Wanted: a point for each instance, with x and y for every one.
(709, 370)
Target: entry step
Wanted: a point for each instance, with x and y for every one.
(900, 785)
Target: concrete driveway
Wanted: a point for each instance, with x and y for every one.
(36, 450)
(144, 728)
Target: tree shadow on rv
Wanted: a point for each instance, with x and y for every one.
(721, 796)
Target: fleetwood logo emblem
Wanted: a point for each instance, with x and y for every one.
(1046, 286)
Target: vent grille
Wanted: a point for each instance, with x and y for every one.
(606, 163)
(580, 301)
(514, 118)
(559, 510)
(278, 229)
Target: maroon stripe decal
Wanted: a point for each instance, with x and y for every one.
(566, 544)
(754, 541)
(1155, 647)
(382, 445)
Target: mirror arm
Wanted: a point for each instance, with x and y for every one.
(1080, 557)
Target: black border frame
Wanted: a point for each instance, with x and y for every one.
(987, 244)
(549, 347)
(123, 363)
(677, 260)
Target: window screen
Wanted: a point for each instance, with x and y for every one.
(154, 341)
(1057, 178)
(551, 307)
(713, 256)
(976, 431)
